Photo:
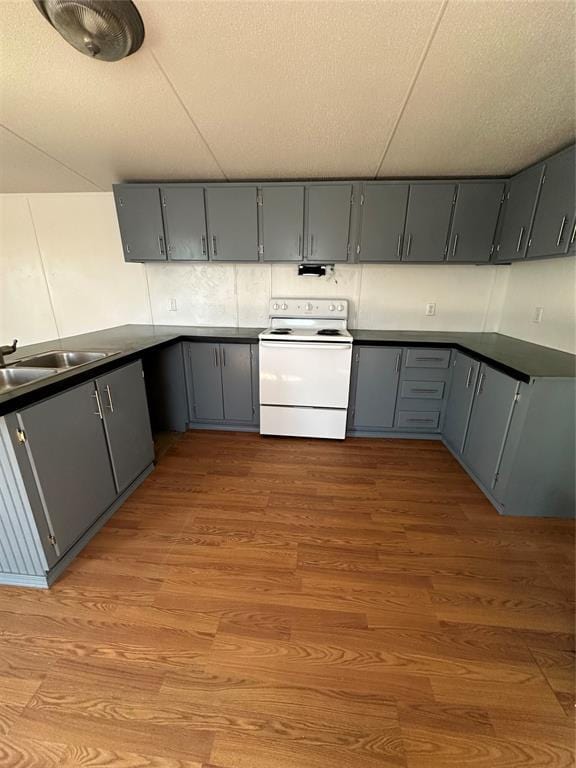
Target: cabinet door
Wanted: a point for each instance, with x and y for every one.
(459, 402)
(185, 223)
(67, 448)
(474, 222)
(205, 385)
(127, 422)
(378, 370)
(236, 362)
(489, 422)
(554, 219)
(232, 218)
(283, 223)
(383, 215)
(521, 196)
(427, 222)
(140, 220)
(329, 222)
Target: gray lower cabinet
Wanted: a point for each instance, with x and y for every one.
(428, 222)
(140, 221)
(494, 401)
(554, 228)
(518, 213)
(282, 214)
(329, 211)
(460, 398)
(383, 215)
(231, 214)
(377, 372)
(474, 222)
(184, 222)
(68, 453)
(221, 382)
(122, 400)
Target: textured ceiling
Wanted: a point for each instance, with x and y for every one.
(289, 89)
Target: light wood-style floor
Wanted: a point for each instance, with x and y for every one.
(283, 603)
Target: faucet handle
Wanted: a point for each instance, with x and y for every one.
(10, 349)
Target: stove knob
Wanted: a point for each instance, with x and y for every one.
(284, 306)
(276, 306)
(331, 307)
(309, 307)
(340, 307)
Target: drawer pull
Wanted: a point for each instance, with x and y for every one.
(428, 391)
(428, 359)
(423, 421)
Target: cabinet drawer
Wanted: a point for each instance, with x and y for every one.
(427, 390)
(427, 358)
(418, 419)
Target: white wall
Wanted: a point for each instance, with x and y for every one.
(62, 272)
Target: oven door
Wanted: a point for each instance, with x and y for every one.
(309, 373)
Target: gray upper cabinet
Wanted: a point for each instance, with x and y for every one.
(554, 228)
(428, 222)
(520, 204)
(140, 221)
(231, 213)
(329, 209)
(205, 382)
(184, 223)
(474, 222)
(282, 213)
(127, 423)
(236, 360)
(383, 216)
(67, 450)
(377, 375)
(489, 424)
(459, 404)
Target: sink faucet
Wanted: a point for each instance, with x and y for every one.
(9, 350)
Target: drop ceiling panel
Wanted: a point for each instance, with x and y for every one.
(496, 91)
(289, 89)
(107, 121)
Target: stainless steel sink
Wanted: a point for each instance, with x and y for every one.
(11, 378)
(61, 360)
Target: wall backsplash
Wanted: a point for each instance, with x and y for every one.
(62, 272)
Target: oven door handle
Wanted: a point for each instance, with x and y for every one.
(303, 345)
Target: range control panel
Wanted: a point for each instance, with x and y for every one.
(336, 308)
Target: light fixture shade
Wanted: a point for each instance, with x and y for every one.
(107, 30)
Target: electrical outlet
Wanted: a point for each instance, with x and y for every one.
(537, 317)
(431, 308)
(173, 306)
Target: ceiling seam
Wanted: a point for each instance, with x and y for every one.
(411, 86)
(189, 115)
(47, 154)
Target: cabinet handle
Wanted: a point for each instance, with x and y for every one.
(408, 245)
(161, 245)
(480, 388)
(399, 249)
(299, 245)
(203, 242)
(469, 377)
(110, 403)
(214, 248)
(520, 236)
(223, 353)
(573, 235)
(98, 404)
(455, 245)
(398, 358)
(311, 244)
(215, 357)
(561, 232)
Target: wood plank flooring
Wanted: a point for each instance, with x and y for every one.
(284, 603)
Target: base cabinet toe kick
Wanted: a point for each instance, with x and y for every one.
(66, 465)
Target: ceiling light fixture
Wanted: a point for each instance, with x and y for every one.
(107, 30)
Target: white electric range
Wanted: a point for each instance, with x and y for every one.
(305, 363)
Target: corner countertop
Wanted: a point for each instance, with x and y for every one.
(519, 359)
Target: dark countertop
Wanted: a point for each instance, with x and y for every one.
(128, 342)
